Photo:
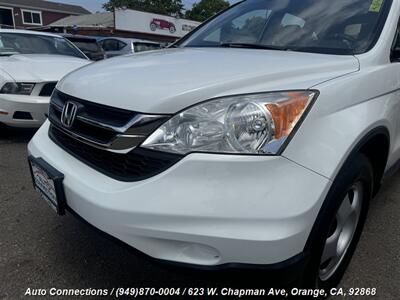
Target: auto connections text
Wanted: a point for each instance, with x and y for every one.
(139, 292)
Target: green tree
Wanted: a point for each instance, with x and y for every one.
(172, 8)
(205, 9)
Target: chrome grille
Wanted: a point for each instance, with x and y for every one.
(138, 164)
(105, 127)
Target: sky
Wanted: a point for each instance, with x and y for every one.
(95, 5)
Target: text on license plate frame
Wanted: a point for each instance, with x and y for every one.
(53, 178)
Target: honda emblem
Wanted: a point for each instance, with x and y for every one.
(69, 114)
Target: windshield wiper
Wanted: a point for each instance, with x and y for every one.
(253, 46)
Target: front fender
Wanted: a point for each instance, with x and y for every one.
(346, 111)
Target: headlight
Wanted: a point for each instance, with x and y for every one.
(248, 124)
(18, 88)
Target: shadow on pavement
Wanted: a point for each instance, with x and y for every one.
(15, 135)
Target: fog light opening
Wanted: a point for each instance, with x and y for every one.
(22, 115)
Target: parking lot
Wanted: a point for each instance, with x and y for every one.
(40, 250)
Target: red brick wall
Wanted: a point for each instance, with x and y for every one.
(50, 17)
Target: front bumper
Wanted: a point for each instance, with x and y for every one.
(36, 106)
(207, 210)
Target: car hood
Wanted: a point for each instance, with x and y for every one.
(40, 67)
(170, 80)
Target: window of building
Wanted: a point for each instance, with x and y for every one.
(6, 17)
(31, 17)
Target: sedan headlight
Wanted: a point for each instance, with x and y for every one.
(247, 124)
(17, 88)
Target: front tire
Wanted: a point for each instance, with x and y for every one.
(339, 225)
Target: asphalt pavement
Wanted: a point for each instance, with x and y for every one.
(41, 250)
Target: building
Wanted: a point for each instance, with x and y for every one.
(35, 13)
(98, 24)
(152, 26)
(126, 23)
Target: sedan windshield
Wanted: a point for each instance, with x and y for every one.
(141, 47)
(320, 26)
(87, 45)
(15, 43)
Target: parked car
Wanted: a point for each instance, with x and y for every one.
(121, 46)
(265, 147)
(87, 45)
(31, 64)
(163, 25)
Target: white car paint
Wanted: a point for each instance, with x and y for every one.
(170, 215)
(238, 72)
(31, 68)
(213, 209)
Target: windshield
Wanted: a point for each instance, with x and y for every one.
(14, 43)
(141, 47)
(87, 46)
(320, 26)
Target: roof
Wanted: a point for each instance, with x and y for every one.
(47, 6)
(17, 31)
(105, 19)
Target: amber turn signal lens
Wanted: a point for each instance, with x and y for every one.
(285, 114)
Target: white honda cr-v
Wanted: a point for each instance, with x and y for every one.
(258, 139)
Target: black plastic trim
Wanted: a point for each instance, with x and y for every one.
(147, 159)
(118, 111)
(22, 115)
(48, 89)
